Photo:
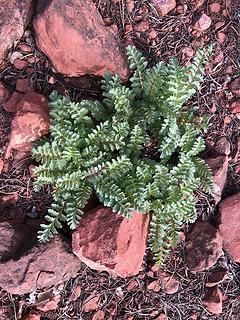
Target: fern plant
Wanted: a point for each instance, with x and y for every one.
(138, 149)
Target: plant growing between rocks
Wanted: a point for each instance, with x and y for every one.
(138, 149)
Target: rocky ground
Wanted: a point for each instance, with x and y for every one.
(66, 46)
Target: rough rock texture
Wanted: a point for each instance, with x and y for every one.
(219, 167)
(14, 17)
(221, 147)
(108, 242)
(32, 111)
(204, 247)
(26, 266)
(77, 42)
(212, 300)
(229, 227)
(11, 104)
(169, 282)
(4, 94)
(216, 277)
(235, 87)
(164, 6)
(203, 23)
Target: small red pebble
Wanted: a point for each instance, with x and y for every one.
(152, 34)
(235, 107)
(227, 119)
(24, 47)
(221, 36)
(215, 7)
(203, 23)
(52, 80)
(20, 64)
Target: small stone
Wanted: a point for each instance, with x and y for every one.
(235, 87)
(32, 110)
(1, 165)
(162, 316)
(99, 315)
(215, 7)
(212, 300)
(219, 166)
(11, 104)
(181, 8)
(15, 55)
(133, 284)
(23, 86)
(203, 23)
(234, 107)
(164, 6)
(130, 5)
(169, 282)
(218, 57)
(50, 305)
(20, 64)
(52, 80)
(216, 277)
(188, 52)
(227, 120)
(152, 34)
(141, 26)
(33, 315)
(4, 94)
(229, 228)
(221, 147)
(25, 48)
(91, 303)
(154, 286)
(76, 293)
(221, 36)
(204, 247)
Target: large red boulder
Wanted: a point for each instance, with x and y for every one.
(73, 35)
(203, 247)
(14, 17)
(106, 241)
(229, 227)
(27, 266)
(30, 122)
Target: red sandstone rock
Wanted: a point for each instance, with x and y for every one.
(164, 6)
(204, 247)
(213, 300)
(235, 87)
(27, 266)
(234, 107)
(4, 94)
(14, 17)
(203, 23)
(91, 303)
(221, 147)
(20, 64)
(99, 315)
(30, 122)
(33, 315)
(215, 7)
(216, 277)
(11, 104)
(78, 42)
(169, 282)
(154, 286)
(229, 228)
(219, 167)
(106, 241)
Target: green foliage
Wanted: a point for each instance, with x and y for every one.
(138, 149)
